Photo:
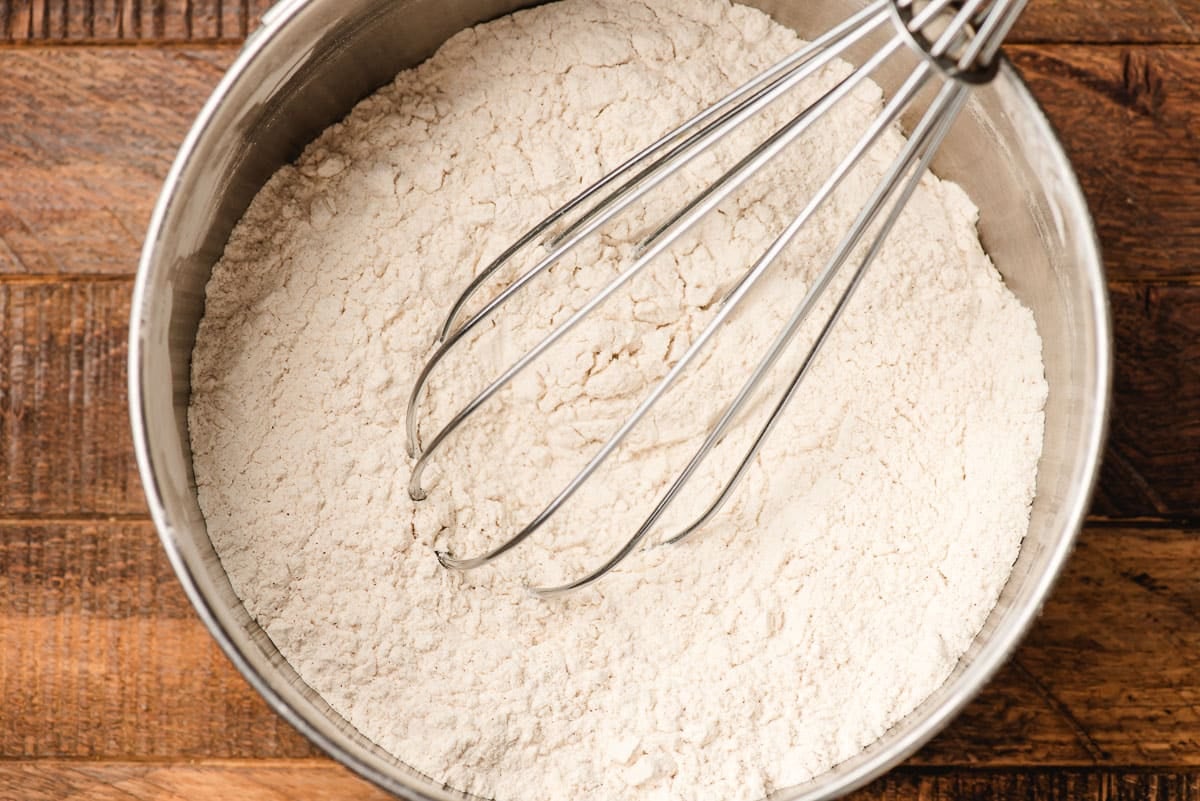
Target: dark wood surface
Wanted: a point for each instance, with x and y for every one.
(111, 689)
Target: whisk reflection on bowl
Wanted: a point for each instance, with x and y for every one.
(957, 41)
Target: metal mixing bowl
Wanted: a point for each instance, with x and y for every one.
(305, 68)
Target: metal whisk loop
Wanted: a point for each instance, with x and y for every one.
(947, 106)
(915, 149)
(957, 39)
(761, 83)
(728, 184)
(791, 71)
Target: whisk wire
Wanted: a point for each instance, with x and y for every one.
(918, 145)
(955, 94)
(924, 16)
(844, 36)
(869, 17)
(957, 30)
(967, 45)
(649, 178)
(881, 123)
(716, 186)
(985, 45)
(761, 156)
(958, 38)
(746, 168)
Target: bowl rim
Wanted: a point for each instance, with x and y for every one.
(967, 684)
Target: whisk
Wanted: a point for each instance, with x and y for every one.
(956, 41)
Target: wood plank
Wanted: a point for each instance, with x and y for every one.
(323, 780)
(95, 130)
(1143, 21)
(65, 444)
(104, 657)
(73, 21)
(65, 448)
(85, 141)
(260, 780)
(104, 660)
(1127, 117)
(1056, 785)
(1150, 463)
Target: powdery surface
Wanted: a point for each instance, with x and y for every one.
(839, 588)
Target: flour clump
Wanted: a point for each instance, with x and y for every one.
(836, 591)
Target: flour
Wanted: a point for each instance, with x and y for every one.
(853, 567)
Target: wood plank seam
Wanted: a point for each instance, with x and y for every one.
(1093, 748)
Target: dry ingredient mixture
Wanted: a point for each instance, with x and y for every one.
(858, 559)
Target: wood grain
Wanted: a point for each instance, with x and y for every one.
(58, 21)
(960, 785)
(110, 687)
(1081, 692)
(160, 21)
(86, 138)
(65, 446)
(1128, 119)
(103, 656)
(94, 132)
(1154, 438)
(322, 780)
(264, 780)
(103, 659)
(1079, 21)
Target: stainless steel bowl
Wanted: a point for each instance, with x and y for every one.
(305, 68)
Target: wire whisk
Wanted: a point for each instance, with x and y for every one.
(957, 42)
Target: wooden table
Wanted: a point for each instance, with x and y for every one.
(111, 689)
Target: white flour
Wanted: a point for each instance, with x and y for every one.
(839, 588)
